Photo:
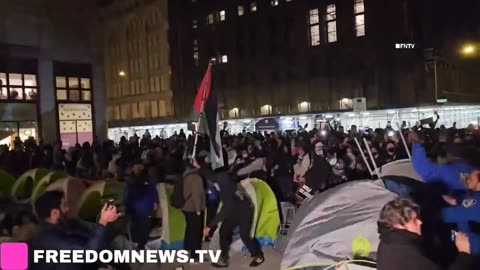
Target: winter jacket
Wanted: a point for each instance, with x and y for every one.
(194, 191)
(401, 250)
(466, 214)
(67, 236)
(453, 175)
(140, 198)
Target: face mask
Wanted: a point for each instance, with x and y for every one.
(333, 161)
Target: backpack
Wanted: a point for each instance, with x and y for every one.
(213, 194)
(178, 200)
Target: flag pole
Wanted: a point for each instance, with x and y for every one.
(200, 116)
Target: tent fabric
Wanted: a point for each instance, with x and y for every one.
(72, 187)
(400, 177)
(6, 184)
(95, 196)
(26, 183)
(173, 220)
(266, 219)
(90, 202)
(42, 185)
(336, 224)
(402, 168)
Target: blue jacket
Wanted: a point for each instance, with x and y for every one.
(140, 199)
(466, 211)
(451, 175)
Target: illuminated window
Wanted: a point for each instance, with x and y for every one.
(222, 15)
(266, 110)
(18, 86)
(224, 59)
(253, 7)
(314, 23)
(196, 54)
(71, 89)
(210, 18)
(331, 19)
(241, 10)
(359, 10)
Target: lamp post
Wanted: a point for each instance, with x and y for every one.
(432, 57)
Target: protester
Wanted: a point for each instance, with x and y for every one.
(401, 244)
(236, 211)
(140, 200)
(194, 193)
(452, 175)
(58, 233)
(465, 211)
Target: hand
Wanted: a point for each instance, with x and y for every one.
(206, 232)
(450, 200)
(108, 215)
(462, 242)
(198, 213)
(413, 137)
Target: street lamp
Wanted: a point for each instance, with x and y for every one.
(468, 49)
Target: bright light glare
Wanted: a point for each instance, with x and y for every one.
(469, 49)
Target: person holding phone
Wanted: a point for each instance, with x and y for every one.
(56, 232)
(400, 248)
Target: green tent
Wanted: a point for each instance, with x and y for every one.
(173, 220)
(6, 183)
(94, 198)
(266, 219)
(23, 188)
(42, 185)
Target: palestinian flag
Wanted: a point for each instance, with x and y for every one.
(206, 104)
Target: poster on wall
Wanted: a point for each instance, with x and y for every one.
(76, 125)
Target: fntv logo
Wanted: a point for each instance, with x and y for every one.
(405, 46)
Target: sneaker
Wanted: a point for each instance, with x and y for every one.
(257, 261)
(222, 263)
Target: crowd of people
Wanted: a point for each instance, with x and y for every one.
(318, 158)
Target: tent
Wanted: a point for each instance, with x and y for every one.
(173, 220)
(266, 219)
(400, 177)
(24, 186)
(6, 183)
(402, 168)
(42, 185)
(73, 189)
(94, 197)
(335, 225)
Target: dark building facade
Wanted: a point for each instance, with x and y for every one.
(52, 85)
(280, 57)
